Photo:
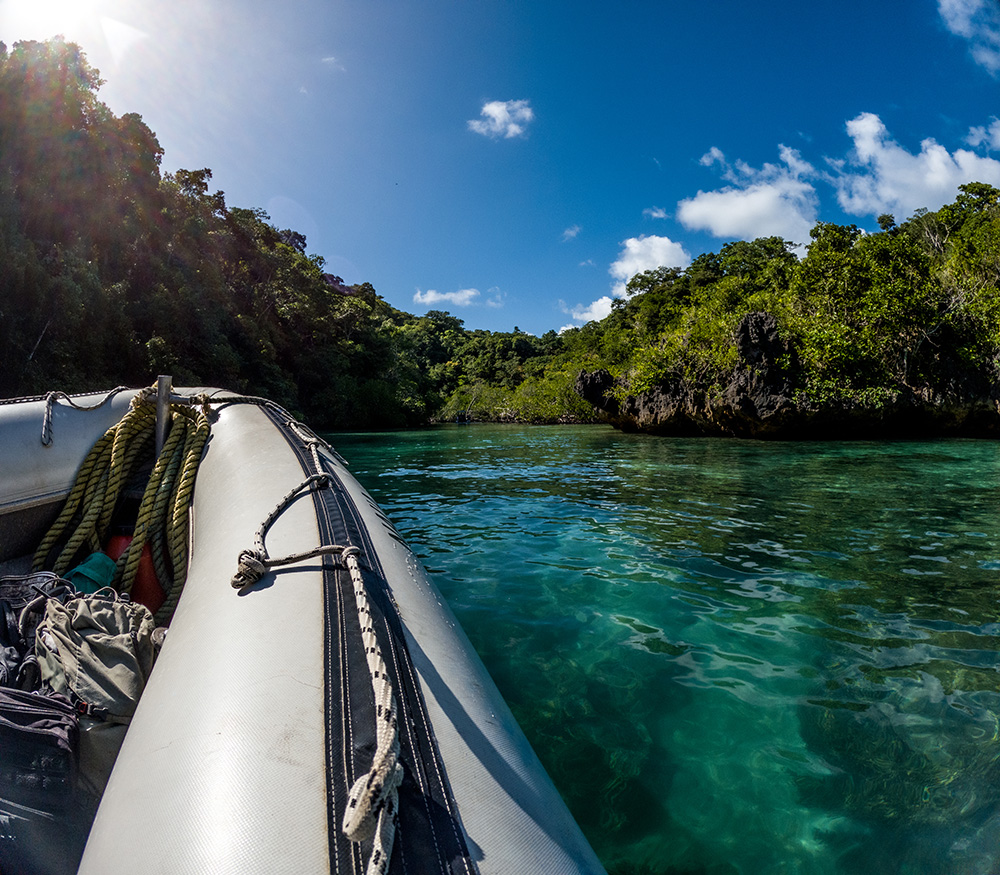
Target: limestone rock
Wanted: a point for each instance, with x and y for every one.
(757, 400)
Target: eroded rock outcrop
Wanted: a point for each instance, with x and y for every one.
(757, 400)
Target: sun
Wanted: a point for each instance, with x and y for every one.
(44, 19)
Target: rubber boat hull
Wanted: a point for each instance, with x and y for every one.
(226, 766)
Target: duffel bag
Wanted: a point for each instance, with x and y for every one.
(44, 815)
(98, 651)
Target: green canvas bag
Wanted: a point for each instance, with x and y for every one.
(98, 651)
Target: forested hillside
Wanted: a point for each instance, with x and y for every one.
(900, 325)
(112, 272)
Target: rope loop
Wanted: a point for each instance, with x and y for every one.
(369, 797)
(52, 397)
(253, 564)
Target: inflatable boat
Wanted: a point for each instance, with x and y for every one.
(315, 706)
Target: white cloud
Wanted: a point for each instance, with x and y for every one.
(985, 136)
(655, 213)
(638, 254)
(776, 200)
(496, 298)
(645, 253)
(958, 15)
(978, 21)
(571, 232)
(583, 313)
(893, 180)
(334, 63)
(502, 118)
(712, 156)
(461, 298)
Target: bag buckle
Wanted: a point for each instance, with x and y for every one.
(86, 709)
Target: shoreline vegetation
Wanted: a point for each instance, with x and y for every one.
(114, 272)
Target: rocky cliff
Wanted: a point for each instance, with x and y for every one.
(757, 400)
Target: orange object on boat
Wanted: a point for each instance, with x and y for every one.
(146, 589)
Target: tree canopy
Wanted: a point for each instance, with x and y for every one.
(112, 271)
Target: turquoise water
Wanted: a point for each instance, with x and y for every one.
(730, 656)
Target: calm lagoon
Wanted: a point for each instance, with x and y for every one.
(731, 656)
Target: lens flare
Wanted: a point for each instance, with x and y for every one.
(44, 19)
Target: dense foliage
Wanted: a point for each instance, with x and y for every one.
(112, 272)
(913, 308)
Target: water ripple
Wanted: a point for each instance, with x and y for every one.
(731, 656)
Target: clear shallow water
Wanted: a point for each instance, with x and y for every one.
(732, 657)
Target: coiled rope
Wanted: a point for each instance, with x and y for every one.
(373, 800)
(163, 516)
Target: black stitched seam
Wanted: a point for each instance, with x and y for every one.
(422, 743)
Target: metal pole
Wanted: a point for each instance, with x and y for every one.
(163, 389)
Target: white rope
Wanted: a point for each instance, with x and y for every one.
(373, 801)
(374, 798)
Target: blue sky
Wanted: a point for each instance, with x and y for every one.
(515, 162)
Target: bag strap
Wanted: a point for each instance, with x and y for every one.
(61, 593)
(10, 634)
(29, 675)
